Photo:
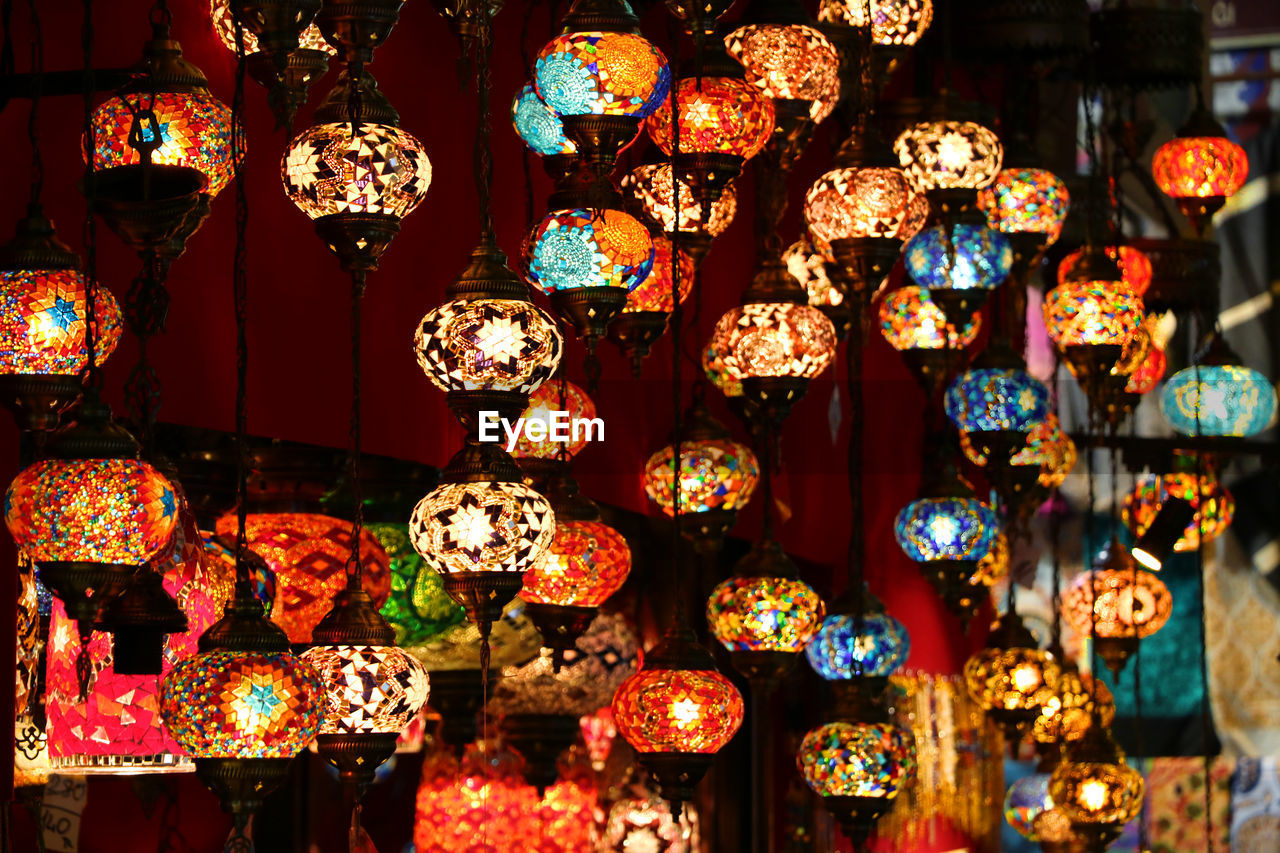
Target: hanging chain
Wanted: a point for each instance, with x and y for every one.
(354, 562)
(677, 319)
(90, 377)
(240, 290)
(37, 79)
(483, 157)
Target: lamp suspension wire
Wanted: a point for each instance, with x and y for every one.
(1206, 720)
(240, 291)
(677, 318)
(33, 117)
(90, 231)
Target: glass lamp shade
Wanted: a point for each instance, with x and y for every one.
(807, 266)
(764, 614)
(1200, 167)
(677, 710)
(893, 22)
(587, 562)
(1026, 800)
(486, 526)
(774, 339)
(1021, 201)
(559, 395)
(869, 760)
(714, 369)
(654, 293)
(1077, 699)
(946, 529)
(651, 186)
(224, 25)
(859, 202)
(972, 257)
(1119, 602)
(718, 115)
(789, 62)
(1013, 679)
(417, 607)
(308, 553)
(1093, 313)
(644, 822)
(595, 73)
(368, 689)
(995, 565)
(573, 249)
(327, 170)
(839, 651)
(42, 318)
(1218, 400)
(1047, 447)
(195, 131)
(488, 345)
(1214, 506)
(1135, 267)
(714, 474)
(944, 155)
(910, 319)
(538, 125)
(227, 704)
(478, 803)
(1098, 792)
(992, 399)
(1149, 371)
(91, 510)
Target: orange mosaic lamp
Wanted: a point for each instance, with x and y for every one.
(643, 319)
(1213, 505)
(1135, 266)
(1012, 677)
(1098, 792)
(1200, 168)
(651, 189)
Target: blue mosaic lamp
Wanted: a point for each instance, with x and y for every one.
(840, 651)
(1218, 396)
(959, 267)
(996, 398)
(540, 128)
(1027, 799)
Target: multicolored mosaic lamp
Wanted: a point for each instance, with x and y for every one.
(1200, 168)
(356, 188)
(893, 22)
(650, 187)
(1012, 678)
(999, 398)
(1078, 700)
(932, 347)
(1212, 505)
(949, 155)
(42, 326)
(1135, 266)
(1218, 395)
(417, 608)
(1028, 206)
(959, 266)
(644, 317)
(788, 59)
(1091, 316)
(542, 132)
(848, 645)
(1096, 789)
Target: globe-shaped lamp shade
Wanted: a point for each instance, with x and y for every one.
(946, 529)
(486, 526)
(764, 614)
(224, 25)
(1149, 371)
(119, 511)
(1218, 400)
(572, 249)
(910, 319)
(807, 266)
(651, 186)
(1200, 167)
(995, 565)
(1050, 448)
(594, 73)
(308, 553)
(1135, 266)
(860, 202)
(840, 651)
(195, 131)
(893, 22)
(1214, 505)
(1077, 699)
(538, 125)
(1118, 604)
(644, 822)
(587, 562)
(677, 710)
(868, 760)
(946, 155)
(775, 339)
(1093, 313)
(1026, 201)
(369, 689)
(972, 257)
(1014, 679)
(42, 319)
(718, 115)
(714, 474)
(327, 170)
(488, 345)
(789, 62)
(1026, 800)
(1093, 793)
(221, 574)
(479, 802)
(418, 607)
(558, 395)
(714, 369)
(227, 704)
(654, 293)
(991, 399)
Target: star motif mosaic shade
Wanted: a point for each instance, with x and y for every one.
(718, 115)
(946, 529)
(793, 62)
(369, 688)
(381, 169)
(538, 125)
(774, 339)
(488, 344)
(652, 188)
(573, 249)
(872, 760)
(1032, 201)
(862, 202)
(595, 73)
(559, 395)
(483, 527)
(587, 562)
(893, 22)
(42, 322)
(839, 650)
(714, 474)
(947, 155)
(1092, 313)
(991, 399)
(1116, 603)
(764, 614)
(673, 710)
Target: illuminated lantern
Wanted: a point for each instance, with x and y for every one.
(1135, 267)
(1218, 395)
(789, 62)
(713, 368)
(1091, 316)
(1025, 801)
(538, 126)
(1200, 168)
(1078, 699)
(848, 646)
(356, 186)
(947, 155)
(1012, 678)
(1095, 789)
(308, 553)
(997, 399)
(1213, 504)
(650, 187)
(932, 346)
(488, 345)
(1118, 604)
(417, 607)
(959, 266)
(644, 316)
(855, 202)
(482, 800)
(642, 821)
(558, 395)
(1026, 201)
(893, 22)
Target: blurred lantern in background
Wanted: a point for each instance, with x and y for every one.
(1212, 503)
(644, 316)
(1200, 168)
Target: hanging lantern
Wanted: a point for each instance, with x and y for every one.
(486, 345)
(1078, 699)
(713, 368)
(932, 347)
(642, 821)
(1118, 603)
(677, 713)
(1213, 504)
(644, 316)
(1091, 316)
(1096, 790)
(356, 186)
(1026, 800)
(308, 553)
(481, 800)
(789, 61)
(42, 327)
(997, 399)
(1012, 678)
(651, 188)
(893, 22)
(1218, 395)
(417, 607)
(871, 644)
(540, 128)
(949, 155)
(1150, 369)
(960, 266)
(1200, 168)
(1026, 201)
(1135, 267)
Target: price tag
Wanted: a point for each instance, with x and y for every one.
(64, 800)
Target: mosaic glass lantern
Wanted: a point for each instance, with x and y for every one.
(642, 821)
(417, 607)
(488, 345)
(770, 614)
(946, 529)
(370, 688)
(1200, 168)
(650, 185)
(580, 248)
(538, 125)
(713, 368)
(945, 155)
(1012, 678)
(1026, 201)
(482, 800)
(715, 474)
(893, 22)
(958, 267)
(644, 316)
(1218, 400)
(996, 399)
(718, 115)
(1213, 504)
(601, 73)
(587, 562)
(846, 646)
(911, 320)
(1088, 314)
(1078, 700)
(485, 526)
(308, 553)
(1096, 789)
(774, 339)
(224, 26)
(792, 62)
(558, 395)
(1025, 801)
(1135, 266)
(857, 769)
(860, 202)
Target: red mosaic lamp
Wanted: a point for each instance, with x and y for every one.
(1200, 168)
(644, 317)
